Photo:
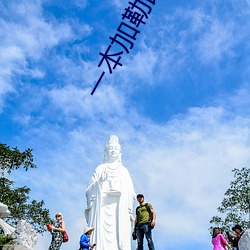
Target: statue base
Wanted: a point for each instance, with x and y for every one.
(12, 247)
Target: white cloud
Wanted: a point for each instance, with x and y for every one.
(32, 33)
(120, 5)
(217, 42)
(189, 35)
(80, 3)
(78, 101)
(139, 66)
(25, 35)
(198, 20)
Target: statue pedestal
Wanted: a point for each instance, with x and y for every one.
(13, 247)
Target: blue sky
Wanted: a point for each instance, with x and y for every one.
(179, 104)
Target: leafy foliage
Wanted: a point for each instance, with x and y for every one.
(6, 240)
(11, 159)
(17, 199)
(236, 204)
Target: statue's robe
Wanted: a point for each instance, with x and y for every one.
(110, 197)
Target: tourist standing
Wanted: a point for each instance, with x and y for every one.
(218, 240)
(239, 231)
(144, 223)
(56, 231)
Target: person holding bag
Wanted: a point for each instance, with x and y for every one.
(219, 241)
(57, 232)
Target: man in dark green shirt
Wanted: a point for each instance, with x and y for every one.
(144, 223)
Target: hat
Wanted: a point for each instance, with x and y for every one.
(237, 227)
(59, 213)
(87, 229)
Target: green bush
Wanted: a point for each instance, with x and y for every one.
(6, 240)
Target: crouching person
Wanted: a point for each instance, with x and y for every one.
(85, 239)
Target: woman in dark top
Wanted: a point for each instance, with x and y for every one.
(56, 231)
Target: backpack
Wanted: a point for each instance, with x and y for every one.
(149, 212)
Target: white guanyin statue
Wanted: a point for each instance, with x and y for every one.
(4, 212)
(244, 242)
(110, 198)
(23, 234)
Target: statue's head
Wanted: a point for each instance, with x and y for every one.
(4, 211)
(113, 150)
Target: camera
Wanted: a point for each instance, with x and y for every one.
(134, 235)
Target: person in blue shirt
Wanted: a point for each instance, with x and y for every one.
(84, 240)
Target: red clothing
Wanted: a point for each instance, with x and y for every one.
(219, 242)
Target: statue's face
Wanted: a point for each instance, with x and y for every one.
(113, 150)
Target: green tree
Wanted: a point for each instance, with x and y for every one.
(17, 199)
(235, 207)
